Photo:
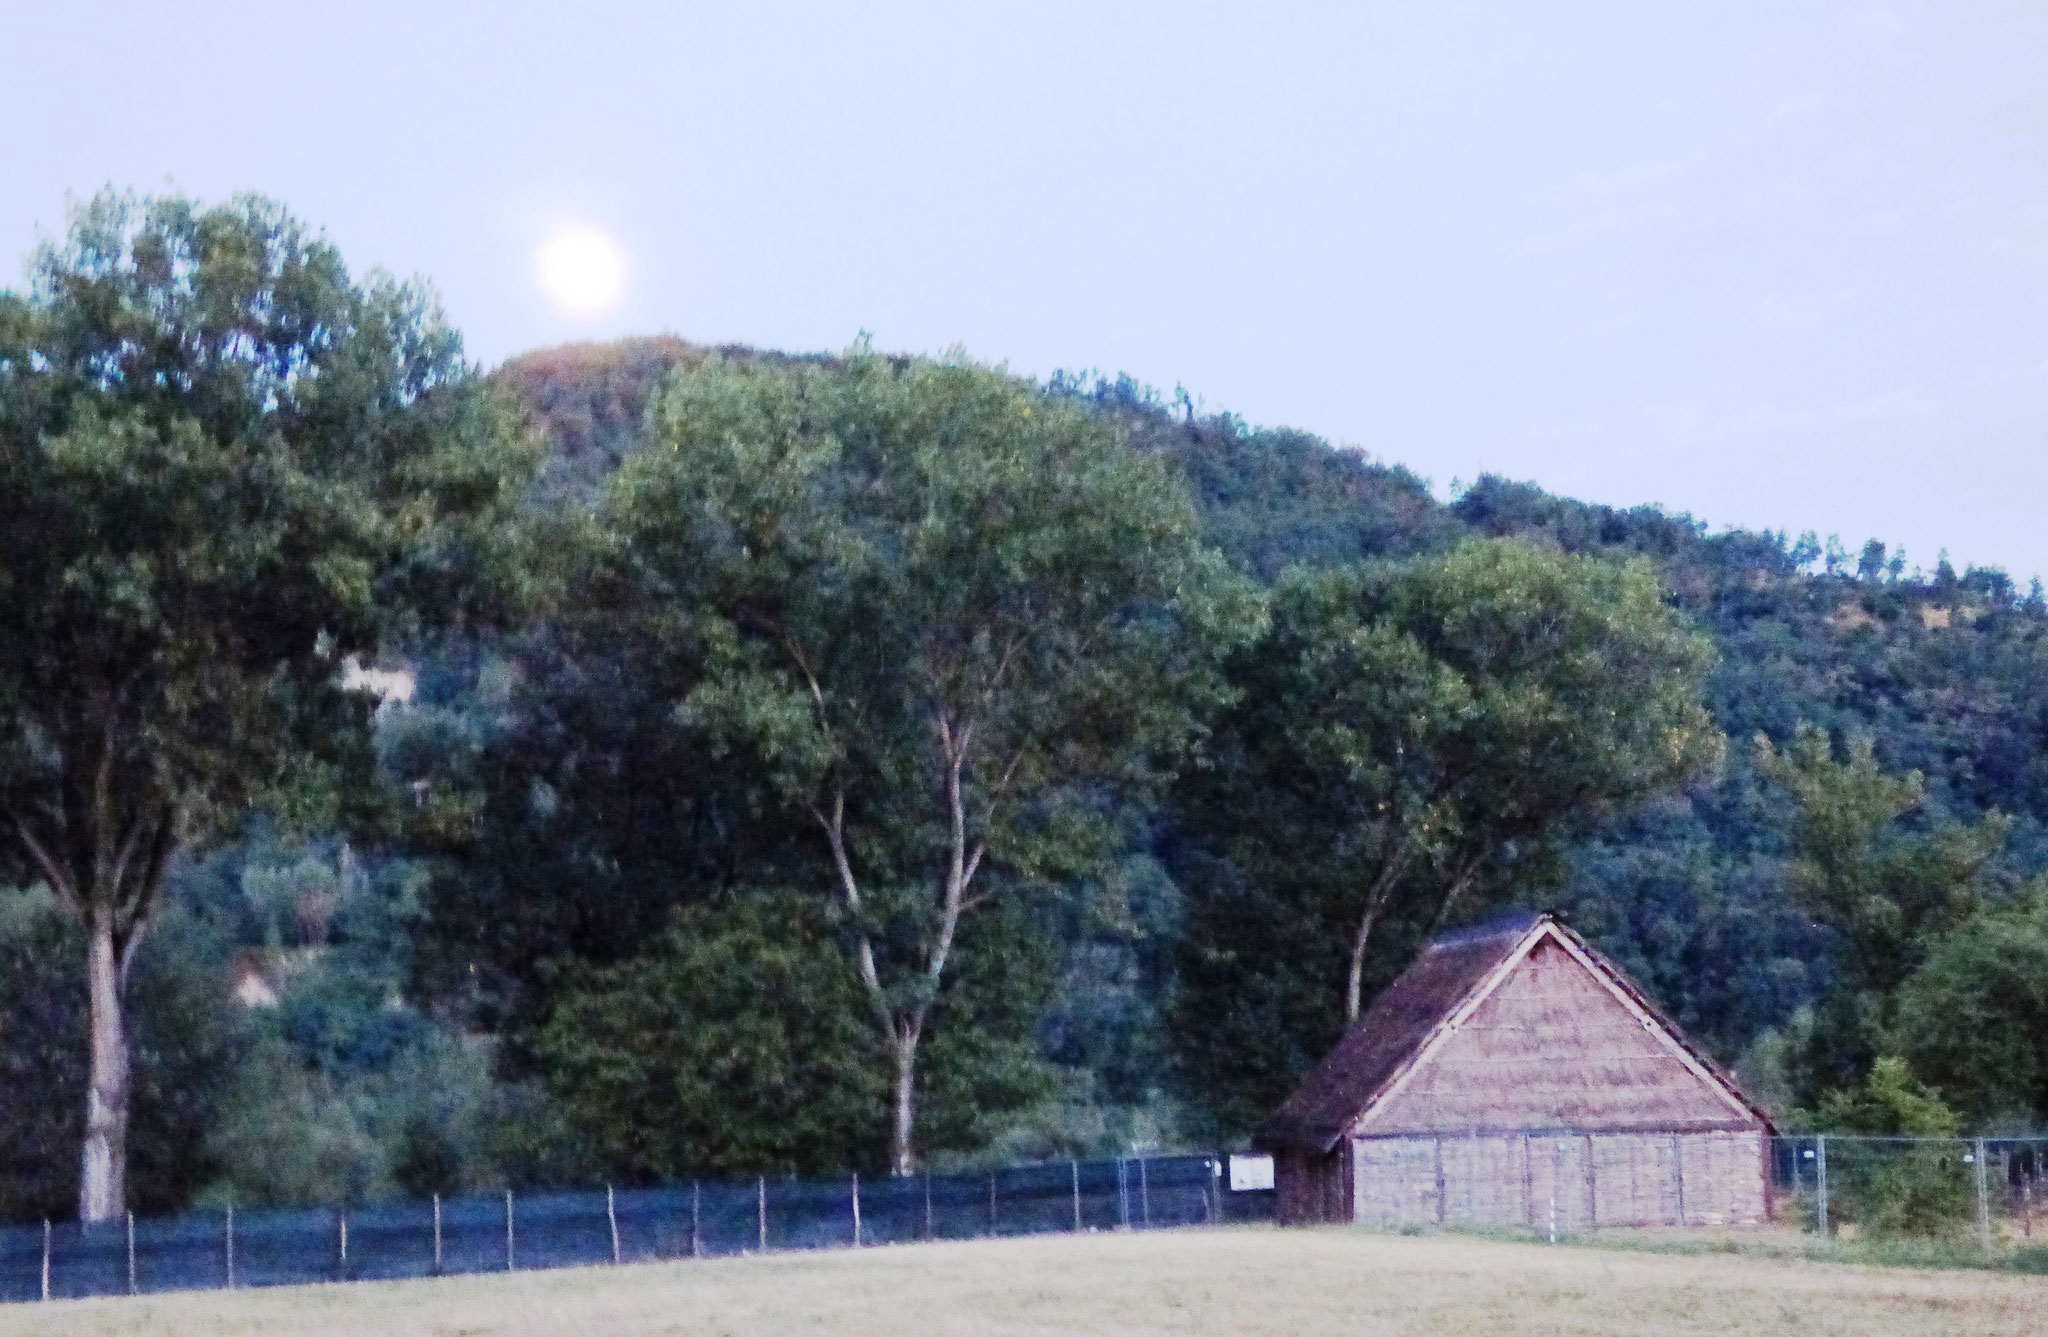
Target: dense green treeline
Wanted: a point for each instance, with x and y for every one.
(789, 764)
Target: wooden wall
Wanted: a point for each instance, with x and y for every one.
(1587, 1180)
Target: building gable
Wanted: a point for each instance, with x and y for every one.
(1554, 1039)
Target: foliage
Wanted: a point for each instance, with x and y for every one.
(1883, 888)
(188, 1045)
(1973, 1018)
(940, 611)
(737, 1043)
(225, 467)
(1895, 1188)
(1412, 737)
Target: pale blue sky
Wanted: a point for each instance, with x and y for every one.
(1779, 264)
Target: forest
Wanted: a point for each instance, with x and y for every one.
(646, 760)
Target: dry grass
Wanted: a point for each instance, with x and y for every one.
(1244, 1280)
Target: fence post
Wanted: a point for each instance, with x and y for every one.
(46, 1258)
(1144, 1195)
(1557, 1172)
(131, 1255)
(341, 1213)
(1678, 1174)
(2030, 1172)
(611, 1216)
(696, 1218)
(231, 1246)
(761, 1211)
(1074, 1168)
(991, 1202)
(1983, 1198)
(856, 1211)
(437, 1234)
(1472, 1178)
(927, 1204)
(1209, 1205)
(509, 1255)
(1820, 1180)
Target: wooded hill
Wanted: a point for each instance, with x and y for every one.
(1942, 672)
(855, 761)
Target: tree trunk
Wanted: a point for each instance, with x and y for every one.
(102, 1187)
(1356, 987)
(902, 1159)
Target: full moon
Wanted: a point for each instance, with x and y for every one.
(582, 270)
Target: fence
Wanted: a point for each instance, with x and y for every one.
(1571, 1182)
(1936, 1187)
(206, 1250)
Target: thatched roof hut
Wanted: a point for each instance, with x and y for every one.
(1511, 1074)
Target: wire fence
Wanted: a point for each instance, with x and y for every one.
(521, 1231)
(1571, 1182)
(1929, 1187)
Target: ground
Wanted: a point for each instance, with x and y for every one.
(1299, 1283)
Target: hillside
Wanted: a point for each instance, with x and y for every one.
(1946, 672)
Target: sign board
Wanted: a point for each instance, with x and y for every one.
(1250, 1173)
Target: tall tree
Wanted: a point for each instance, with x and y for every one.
(1889, 875)
(937, 606)
(225, 468)
(1409, 734)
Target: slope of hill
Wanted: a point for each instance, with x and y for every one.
(1947, 672)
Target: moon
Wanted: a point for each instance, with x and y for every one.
(582, 269)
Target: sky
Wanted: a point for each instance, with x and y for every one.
(1778, 265)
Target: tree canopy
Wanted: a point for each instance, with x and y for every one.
(939, 608)
(225, 469)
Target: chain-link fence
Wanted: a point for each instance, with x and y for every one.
(516, 1231)
(1906, 1186)
(1958, 1193)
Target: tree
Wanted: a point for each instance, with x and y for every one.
(735, 1045)
(937, 607)
(225, 468)
(1884, 875)
(187, 1042)
(1973, 1018)
(1408, 736)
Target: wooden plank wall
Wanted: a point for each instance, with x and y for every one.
(1587, 1180)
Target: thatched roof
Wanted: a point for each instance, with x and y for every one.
(1380, 1043)
(1448, 980)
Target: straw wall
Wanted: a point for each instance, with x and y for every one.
(1581, 1181)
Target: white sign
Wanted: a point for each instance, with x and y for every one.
(1250, 1173)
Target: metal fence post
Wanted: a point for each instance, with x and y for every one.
(856, 1211)
(341, 1214)
(437, 1234)
(696, 1218)
(927, 1204)
(1144, 1195)
(761, 1211)
(46, 1258)
(131, 1255)
(509, 1254)
(1557, 1173)
(991, 1202)
(1983, 1198)
(1678, 1174)
(231, 1246)
(611, 1216)
(1074, 1168)
(1820, 1180)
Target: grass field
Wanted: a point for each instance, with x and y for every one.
(1238, 1280)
